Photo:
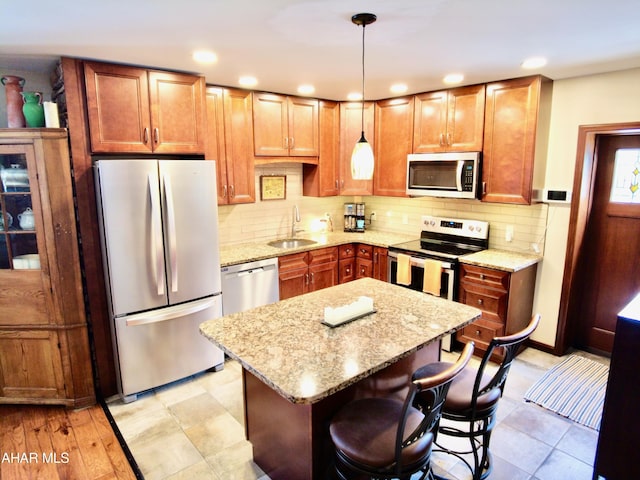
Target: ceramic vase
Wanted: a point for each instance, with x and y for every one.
(33, 109)
(13, 88)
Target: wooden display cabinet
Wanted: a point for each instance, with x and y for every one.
(44, 345)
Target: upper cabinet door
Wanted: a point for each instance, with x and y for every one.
(271, 125)
(394, 130)
(303, 127)
(516, 135)
(449, 121)
(285, 126)
(118, 108)
(132, 110)
(177, 112)
(465, 119)
(430, 122)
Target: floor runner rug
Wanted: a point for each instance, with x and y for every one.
(574, 388)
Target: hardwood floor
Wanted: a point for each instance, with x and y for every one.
(52, 442)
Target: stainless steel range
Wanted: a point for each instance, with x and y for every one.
(444, 240)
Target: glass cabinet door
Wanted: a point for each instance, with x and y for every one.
(18, 221)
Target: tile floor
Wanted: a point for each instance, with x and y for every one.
(193, 429)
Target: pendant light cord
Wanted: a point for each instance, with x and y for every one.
(362, 100)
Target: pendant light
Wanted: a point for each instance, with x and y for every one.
(362, 155)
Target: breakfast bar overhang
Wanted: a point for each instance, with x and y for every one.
(297, 371)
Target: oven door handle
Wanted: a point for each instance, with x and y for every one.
(419, 262)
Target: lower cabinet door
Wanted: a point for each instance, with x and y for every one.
(30, 366)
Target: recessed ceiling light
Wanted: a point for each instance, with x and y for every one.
(399, 88)
(534, 62)
(453, 78)
(306, 89)
(354, 96)
(205, 56)
(248, 81)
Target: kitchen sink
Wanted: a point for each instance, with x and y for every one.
(291, 243)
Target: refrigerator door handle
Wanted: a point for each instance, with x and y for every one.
(156, 235)
(171, 313)
(171, 232)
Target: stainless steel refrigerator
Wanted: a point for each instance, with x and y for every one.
(159, 228)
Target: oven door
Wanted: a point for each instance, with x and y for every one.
(447, 282)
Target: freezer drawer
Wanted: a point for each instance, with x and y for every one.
(165, 345)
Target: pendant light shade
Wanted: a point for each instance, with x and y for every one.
(362, 155)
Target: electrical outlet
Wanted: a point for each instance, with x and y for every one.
(508, 236)
(373, 216)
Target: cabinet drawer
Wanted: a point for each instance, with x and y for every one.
(484, 276)
(481, 334)
(347, 251)
(293, 261)
(323, 255)
(365, 251)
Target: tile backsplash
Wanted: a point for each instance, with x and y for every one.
(269, 219)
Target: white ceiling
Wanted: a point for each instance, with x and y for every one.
(286, 42)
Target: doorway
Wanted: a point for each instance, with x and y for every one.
(602, 267)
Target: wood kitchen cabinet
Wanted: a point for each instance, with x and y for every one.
(505, 298)
(230, 143)
(135, 110)
(449, 120)
(371, 262)
(305, 272)
(285, 126)
(517, 116)
(44, 345)
(394, 133)
(322, 180)
(350, 132)
(347, 263)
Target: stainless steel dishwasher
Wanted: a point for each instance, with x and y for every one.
(249, 285)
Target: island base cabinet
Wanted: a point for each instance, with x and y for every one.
(291, 441)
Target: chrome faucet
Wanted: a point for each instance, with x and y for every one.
(294, 220)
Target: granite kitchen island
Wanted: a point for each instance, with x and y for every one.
(297, 372)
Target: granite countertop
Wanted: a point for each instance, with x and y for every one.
(252, 251)
(505, 260)
(286, 346)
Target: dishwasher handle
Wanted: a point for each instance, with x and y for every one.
(251, 271)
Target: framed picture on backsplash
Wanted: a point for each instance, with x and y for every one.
(273, 187)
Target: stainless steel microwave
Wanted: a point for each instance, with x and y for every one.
(451, 174)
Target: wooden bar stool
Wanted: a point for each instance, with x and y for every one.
(388, 438)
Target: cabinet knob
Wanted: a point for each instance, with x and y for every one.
(306, 279)
(477, 333)
(482, 276)
(480, 301)
(312, 278)
(224, 191)
(348, 271)
(232, 191)
(156, 135)
(286, 142)
(145, 135)
(291, 142)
